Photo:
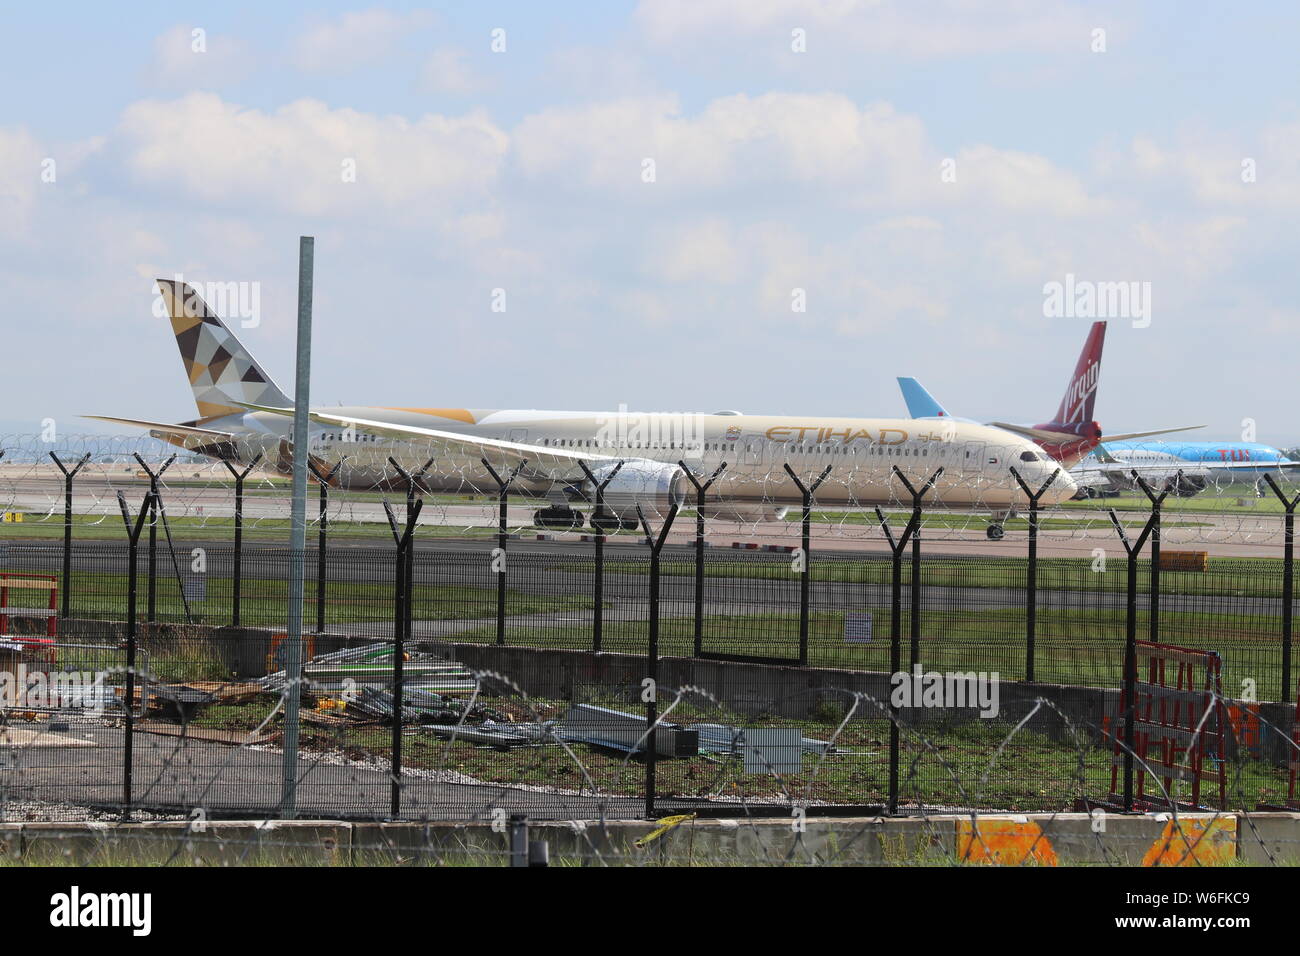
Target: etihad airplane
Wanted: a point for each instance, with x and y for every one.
(1104, 464)
(243, 414)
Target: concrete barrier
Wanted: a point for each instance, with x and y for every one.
(993, 839)
(216, 843)
(1269, 839)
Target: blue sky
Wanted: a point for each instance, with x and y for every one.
(775, 170)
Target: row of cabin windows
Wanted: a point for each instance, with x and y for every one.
(889, 450)
(797, 448)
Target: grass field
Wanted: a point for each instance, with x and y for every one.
(961, 520)
(110, 528)
(1225, 576)
(263, 600)
(1071, 647)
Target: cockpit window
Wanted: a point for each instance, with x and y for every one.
(1029, 456)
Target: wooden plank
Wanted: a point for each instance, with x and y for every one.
(209, 734)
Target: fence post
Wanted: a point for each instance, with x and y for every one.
(1031, 572)
(401, 629)
(67, 524)
(1153, 597)
(499, 559)
(1288, 580)
(153, 528)
(896, 615)
(652, 653)
(412, 485)
(806, 545)
(598, 592)
(132, 573)
(236, 580)
(1130, 628)
(700, 489)
(321, 533)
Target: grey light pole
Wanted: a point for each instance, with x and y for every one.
(297, 527)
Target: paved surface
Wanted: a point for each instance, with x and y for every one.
(1242, 533)
(171, 774)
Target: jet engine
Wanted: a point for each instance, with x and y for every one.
(652, 485)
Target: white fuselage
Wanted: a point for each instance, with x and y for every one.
(862, 453)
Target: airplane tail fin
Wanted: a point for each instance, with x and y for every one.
(1081, 393)
(920, 403)
(221, 371)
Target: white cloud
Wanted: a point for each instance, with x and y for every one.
(1016, 180)
(447, 71)
(777, 137)
(702, 250)
(32, 170)
(889, 27)
(354, 39)
(20, 176)
(183, 59)
(1214, 168)
(866, 156)
(294, 158)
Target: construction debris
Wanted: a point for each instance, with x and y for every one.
(372, 664)
(209, 734)
(615, 730)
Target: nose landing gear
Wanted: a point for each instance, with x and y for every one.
(997, 529)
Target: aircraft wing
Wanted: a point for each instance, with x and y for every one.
(495, 450)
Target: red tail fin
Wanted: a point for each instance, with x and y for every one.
(1077, 404)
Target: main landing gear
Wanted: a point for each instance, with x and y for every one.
(606, 521)
(558, 516)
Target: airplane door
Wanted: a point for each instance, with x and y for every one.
(972, 464)
(519, 435)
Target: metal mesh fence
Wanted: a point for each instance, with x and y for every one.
(538, 665)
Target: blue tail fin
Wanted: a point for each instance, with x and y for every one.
(920, 403)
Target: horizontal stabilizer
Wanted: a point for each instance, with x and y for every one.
(1040, 434)
(188, 431)
(1127, 436)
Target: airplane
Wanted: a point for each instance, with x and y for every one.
(1072, 433)
(243, 414)
(1219, 461)
(1102, 465)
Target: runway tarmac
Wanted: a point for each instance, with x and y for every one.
(38, 490)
